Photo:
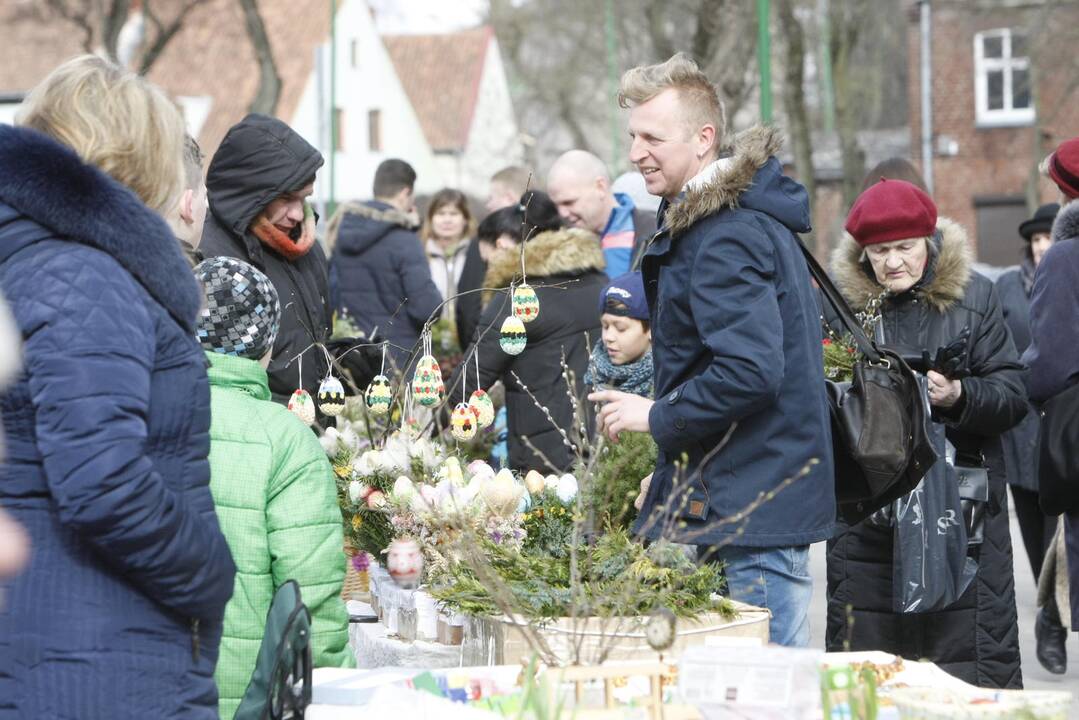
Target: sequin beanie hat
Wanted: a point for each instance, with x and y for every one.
(242, 312)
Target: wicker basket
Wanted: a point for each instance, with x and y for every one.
(934, 704)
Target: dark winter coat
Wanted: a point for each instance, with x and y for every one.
(567, 326)
(259, 160)
(1054, 321)
(118, 614)
(381, 276)
(1052, 356)
(1020, 444)
(976, 639)
(470, 305)
(736, 345)
(644, 229)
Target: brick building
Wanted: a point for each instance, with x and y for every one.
(1003, 74)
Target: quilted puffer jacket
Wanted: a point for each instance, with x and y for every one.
(976, 638)
(277, 500)
(118, 614)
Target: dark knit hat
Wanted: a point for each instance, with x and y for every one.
(1064, 167)
(625, 296)
(1042, 222)
(242, 312)
(891, 210)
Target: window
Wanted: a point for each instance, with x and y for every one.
(1002, 79)
(998, 216)
(374, 130)
(354, 53)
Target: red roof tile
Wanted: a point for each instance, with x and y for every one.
(441, 75)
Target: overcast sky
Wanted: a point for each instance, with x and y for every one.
(426, 16)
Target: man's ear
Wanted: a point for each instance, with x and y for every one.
(187, 207)
(706, 139)
(603, 185)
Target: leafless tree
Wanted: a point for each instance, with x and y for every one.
(269, 90)
(794, 100)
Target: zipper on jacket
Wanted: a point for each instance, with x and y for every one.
(195, 640)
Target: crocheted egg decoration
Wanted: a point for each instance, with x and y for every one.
(525, 303)
(513, 338)
(331, 396)
(379, 395)
(301, 405)
(427, 385)
(463, 422)
(483, 407)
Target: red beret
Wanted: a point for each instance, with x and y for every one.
(1064, 167)
(891, 210)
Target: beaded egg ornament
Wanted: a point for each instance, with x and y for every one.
(379, 395)
(480, 402)
(463, 422)
(301, 404)
(427, 384)
(331, 396)
(512, 337)
(525, 303)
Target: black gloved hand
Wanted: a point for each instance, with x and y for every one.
(360, 359)
(951, 360)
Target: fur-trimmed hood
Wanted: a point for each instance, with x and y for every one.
(1066, 225)
(48, 183)
(752, 178)
(366, 223)
(569, 251)
(945, 280)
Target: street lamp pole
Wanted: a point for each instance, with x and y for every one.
(764, 57)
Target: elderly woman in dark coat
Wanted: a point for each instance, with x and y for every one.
(897, 244)
(1021, 442)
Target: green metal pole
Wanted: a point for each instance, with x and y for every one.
(764, 57)
(612, 86)
(331, 204)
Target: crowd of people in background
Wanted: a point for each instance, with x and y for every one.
(156, 494)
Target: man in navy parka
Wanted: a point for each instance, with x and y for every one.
(740, 401)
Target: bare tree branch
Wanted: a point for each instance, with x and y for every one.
(269, 89)
(163, 33)
(78, 15)
(113, 20)
(657, 29)
(794, 101)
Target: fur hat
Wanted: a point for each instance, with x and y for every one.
(891, 210)
(242, 312)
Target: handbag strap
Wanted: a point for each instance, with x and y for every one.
(841, 308)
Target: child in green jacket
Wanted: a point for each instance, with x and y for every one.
(273, 487)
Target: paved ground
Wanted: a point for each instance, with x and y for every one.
(1034, 675)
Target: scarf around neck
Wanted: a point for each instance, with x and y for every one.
(270, 236)
(636, 377)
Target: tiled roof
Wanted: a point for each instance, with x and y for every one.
(211, 55)
(441, 75)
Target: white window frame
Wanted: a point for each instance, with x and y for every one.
(1007, 116)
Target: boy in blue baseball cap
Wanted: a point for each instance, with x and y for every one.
(624, 359)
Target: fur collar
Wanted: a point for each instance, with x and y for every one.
(389, 215)
(556, 252)
(949, 271)
(50, 184)
(752, 148)
(1066, 224)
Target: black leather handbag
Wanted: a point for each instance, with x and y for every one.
(1058, 461)
(880, 444)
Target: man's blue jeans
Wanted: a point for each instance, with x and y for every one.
(776, 578)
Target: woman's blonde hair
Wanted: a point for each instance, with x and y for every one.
(699, 96)
(116, 121)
